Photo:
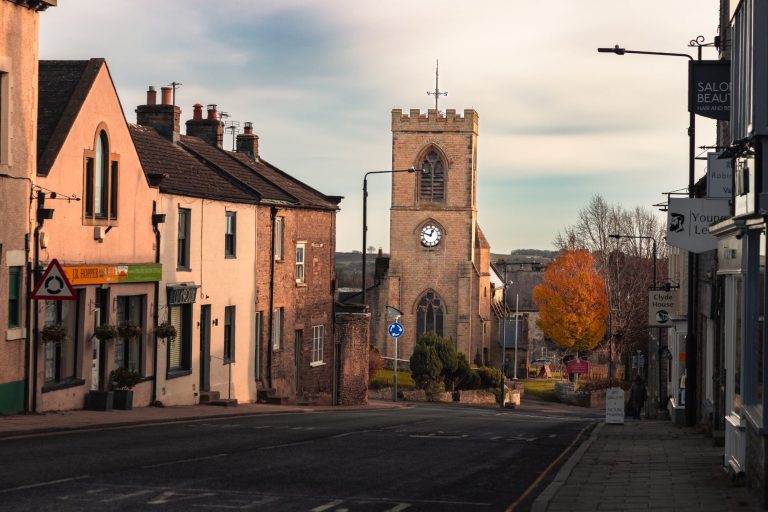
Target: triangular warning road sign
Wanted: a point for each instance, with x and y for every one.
(54, 284)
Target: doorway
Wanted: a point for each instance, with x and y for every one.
(205, 348)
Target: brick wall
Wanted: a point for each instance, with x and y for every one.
(305, 305)
(352, 337)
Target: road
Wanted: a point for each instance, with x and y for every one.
(425, 458)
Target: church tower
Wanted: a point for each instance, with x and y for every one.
(439, 259)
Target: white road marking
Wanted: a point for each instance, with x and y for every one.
(182, 461)
(42, 484)
(327, 506)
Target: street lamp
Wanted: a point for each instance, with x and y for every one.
(365, 213)
(504, 328)
(690, 339)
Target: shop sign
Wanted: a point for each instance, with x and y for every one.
(182, 294)
(688, 222)
(719, 177)
(113, 274)
(709, 88)
(660, 307)
(614, 406)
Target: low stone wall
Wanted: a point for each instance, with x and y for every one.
(566, 393)
(476, 396)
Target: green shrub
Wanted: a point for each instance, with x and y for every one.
(489, 377)
(378, 382)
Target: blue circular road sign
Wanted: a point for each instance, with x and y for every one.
(395, 329)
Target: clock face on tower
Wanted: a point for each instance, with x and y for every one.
(430, 235)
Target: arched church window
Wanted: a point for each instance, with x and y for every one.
(432, 180)
(429, 314)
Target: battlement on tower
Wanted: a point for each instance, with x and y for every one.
(434, 121)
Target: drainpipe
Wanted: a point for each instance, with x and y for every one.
(36, 309)
(28, 323)
(156, 219)
(272, 217)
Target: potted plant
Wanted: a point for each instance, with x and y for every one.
(165, 330)
(123, 380)
(106, 332)
(53, 333)
(128, 329)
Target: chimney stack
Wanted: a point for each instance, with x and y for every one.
(165, 118)
(248, 142)
(211, 130)
(166, 94)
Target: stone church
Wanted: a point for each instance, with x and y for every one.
(438, 271)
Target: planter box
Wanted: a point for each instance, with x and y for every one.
(123, 399)
(99, 400)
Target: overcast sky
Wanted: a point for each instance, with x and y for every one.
(318, 79)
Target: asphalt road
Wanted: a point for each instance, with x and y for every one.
(430, 457)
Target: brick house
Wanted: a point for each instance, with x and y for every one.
(279, 282)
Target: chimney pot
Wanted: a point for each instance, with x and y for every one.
(248, 127)
(197, 114)
(212, 114)
(166, 93)
(151, 95)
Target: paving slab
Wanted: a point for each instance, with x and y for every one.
(645, 465)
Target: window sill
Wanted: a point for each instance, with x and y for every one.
(230, 257)
(183, 269)
(301, 284)
(15, 333)
(63, 384)
(175, 374)
(316, 364)
(226, 362)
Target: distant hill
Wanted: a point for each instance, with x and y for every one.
(348, 263)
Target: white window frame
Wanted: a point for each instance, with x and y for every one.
(278, 234)
(277, 329)
(301, 248)
(5, 120)
(318, 339)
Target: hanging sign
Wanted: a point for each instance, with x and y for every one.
(688, 221)
(719, 177)
(660, 307)
(54, 284)
(709, 88)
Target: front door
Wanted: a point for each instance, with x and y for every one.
(99, 347)
(205, 348)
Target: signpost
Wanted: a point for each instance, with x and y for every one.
(577, 366)
(54, 284)
(395, 330)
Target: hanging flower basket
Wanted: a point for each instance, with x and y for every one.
(165, 330)
(123, 378)
(106, 332)
(53, 333)
(128, 330)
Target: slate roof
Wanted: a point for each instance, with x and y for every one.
(306, 195)
(222, 160)
(63, 87)
(186, 175)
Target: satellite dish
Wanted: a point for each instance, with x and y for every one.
(394, 312)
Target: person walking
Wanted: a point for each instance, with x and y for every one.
(637, 397)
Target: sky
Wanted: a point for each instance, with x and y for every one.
(558, 122)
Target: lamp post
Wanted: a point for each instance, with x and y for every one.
(365, 213)
(690, 339)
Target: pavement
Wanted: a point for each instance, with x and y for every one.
(645, 465)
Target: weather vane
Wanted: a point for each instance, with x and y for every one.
(437, 92)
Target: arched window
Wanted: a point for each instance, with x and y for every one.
(432, 181)
(429, 314)
(101, 180)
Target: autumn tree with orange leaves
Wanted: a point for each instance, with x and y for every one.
(573, 306)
